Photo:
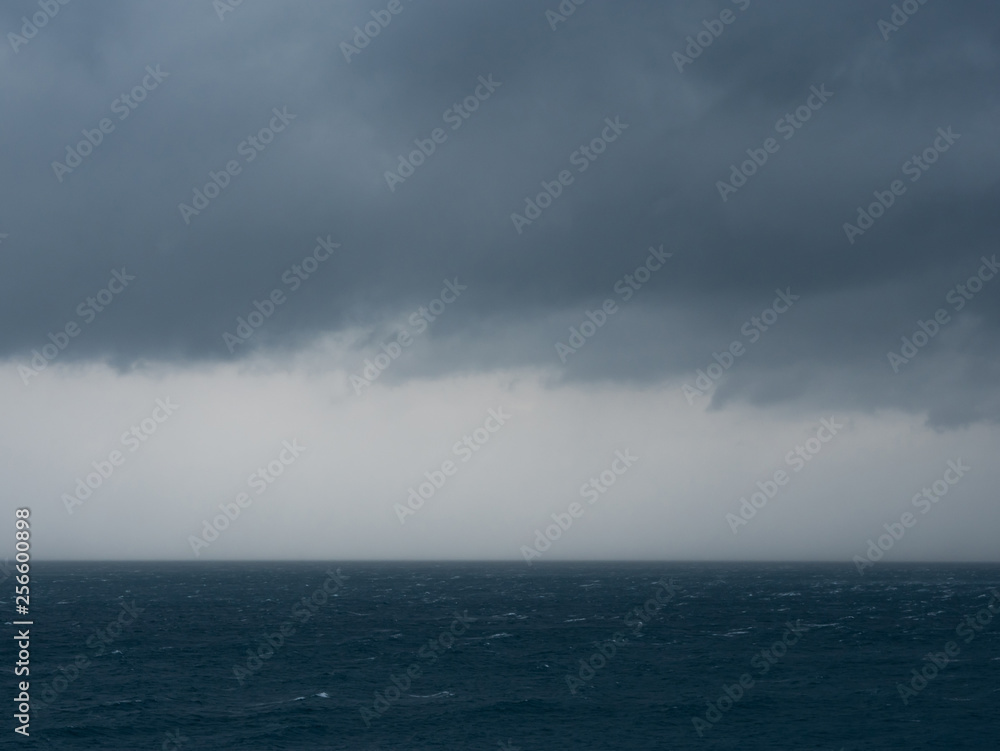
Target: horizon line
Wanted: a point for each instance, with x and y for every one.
(515, 560)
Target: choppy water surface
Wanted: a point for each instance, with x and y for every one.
(488, 656)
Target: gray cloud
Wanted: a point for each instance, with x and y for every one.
(656, 184)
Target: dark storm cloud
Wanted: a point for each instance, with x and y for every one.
(323, 175)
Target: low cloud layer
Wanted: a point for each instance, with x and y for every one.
(343, 125)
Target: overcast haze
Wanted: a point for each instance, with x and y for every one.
(447, 274)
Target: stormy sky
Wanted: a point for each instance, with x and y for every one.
(266, 268)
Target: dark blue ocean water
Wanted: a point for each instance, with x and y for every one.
(142, 656)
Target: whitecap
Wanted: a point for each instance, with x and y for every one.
(432, 696)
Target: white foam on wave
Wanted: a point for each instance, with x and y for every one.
(438, 695)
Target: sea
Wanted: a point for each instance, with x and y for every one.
(546, 657)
